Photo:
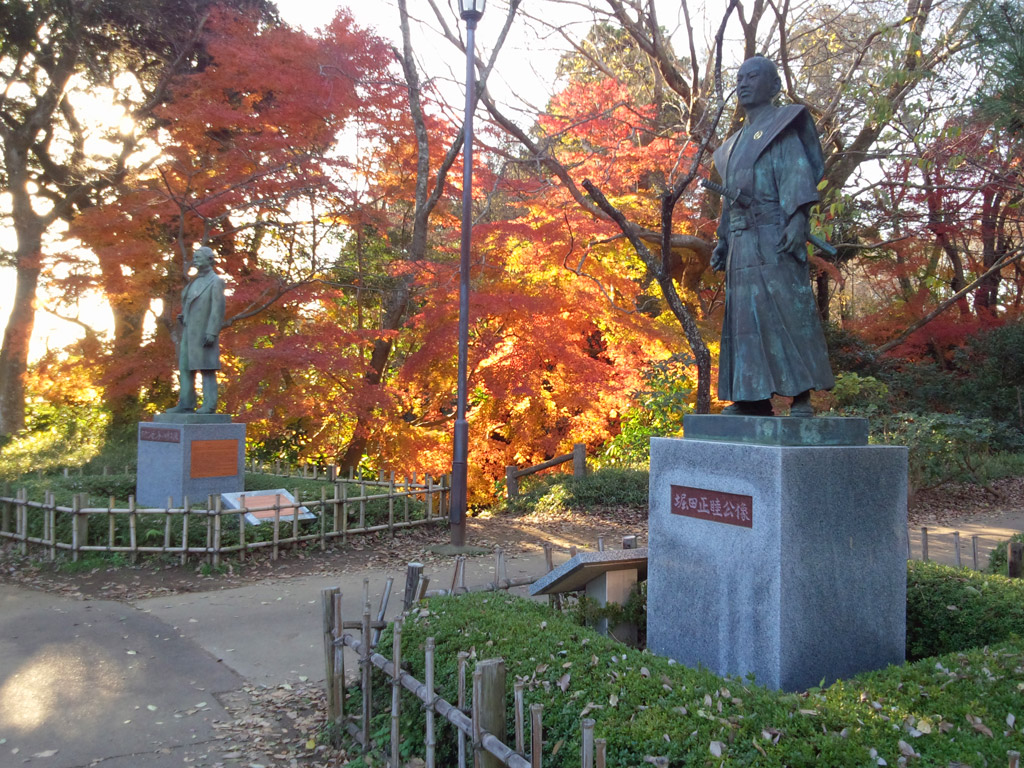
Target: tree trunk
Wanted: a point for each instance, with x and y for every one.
(14, 354)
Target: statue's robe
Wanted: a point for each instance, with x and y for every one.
(772, 339)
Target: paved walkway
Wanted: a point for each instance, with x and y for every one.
(116, 685)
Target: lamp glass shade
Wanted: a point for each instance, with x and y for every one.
(471, 9)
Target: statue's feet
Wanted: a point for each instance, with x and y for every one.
(801, 407)
(204, 409)
(749, 408)
(179, 408)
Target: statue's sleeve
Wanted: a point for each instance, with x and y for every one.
(793, 171)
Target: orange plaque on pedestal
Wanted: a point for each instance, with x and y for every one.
(214, 458)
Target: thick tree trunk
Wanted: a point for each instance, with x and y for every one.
(14, 354)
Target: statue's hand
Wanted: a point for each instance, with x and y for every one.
(718, 256)
(794, 238)
(209, 340)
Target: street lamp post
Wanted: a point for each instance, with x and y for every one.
(471, 11)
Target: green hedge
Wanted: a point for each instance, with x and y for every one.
(949, 709)
(952, 609)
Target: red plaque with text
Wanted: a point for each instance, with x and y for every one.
(214, 458)
(716, 506)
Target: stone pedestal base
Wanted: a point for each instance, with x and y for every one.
(785, 562)
(185, 455)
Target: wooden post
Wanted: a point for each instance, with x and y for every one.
(488, 708)
(428, 497)
(956, 547)
(391, 505)
(21, 521)
(463, 658)
(413, 572)
(629, 542)
(344, 514)
(339, 659)
(579, 461)
(53, 527)
(367, 677)
(511, 483)
(323, 518)
(383, 608)
(601, 747)
(517, 698)
(974, 551)
(600, 543)
(186, 508)
(924, 543)
(536, 735)
(75, 529)
(133, 530)
(329, 619)
(588, 743)
(216, 530)
(396, 692)
(428, 740)
(500, 572)
(1013, 755)
(277, 526)
(555, 601)
(296, 494)
(5, 513)
(1014, 555)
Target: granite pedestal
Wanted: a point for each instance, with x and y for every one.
(784, 561)
(193, 455)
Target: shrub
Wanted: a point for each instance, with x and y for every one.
(556, 493)
(953, 609)
(953, 708)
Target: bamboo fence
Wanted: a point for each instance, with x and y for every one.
(479, 727)
(55, 528)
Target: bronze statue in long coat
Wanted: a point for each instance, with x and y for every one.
(772, 339)
(202, 315)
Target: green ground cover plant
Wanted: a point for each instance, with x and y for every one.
(963, 707)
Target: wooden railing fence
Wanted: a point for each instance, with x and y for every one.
(479, 727)
(1014, 552)
(199, 531)
(578, 457)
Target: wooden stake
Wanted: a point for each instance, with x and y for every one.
(601, 747)
(339, 658)
(428, 740)
(295, 516)
(329, 620)
(488, 708)
(600, 543)
(956, 547)
(924, 543)
(277, 525)
(463, 657)
(588, 743)
(384, 599)
(974, 551)
(367, 674)
(536, 735)
(629, 542)
(413, 572)
(396, 691)
(1013, 755)
(216, 530)
(1014, 556)
(186, 509)
(517, 695)
(323, 518)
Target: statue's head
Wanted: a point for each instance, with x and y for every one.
(203, 257)
(757, 82)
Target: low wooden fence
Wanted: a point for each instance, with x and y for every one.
(578, 457)
(480, 725)
(1014, 551)
(188, 531)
